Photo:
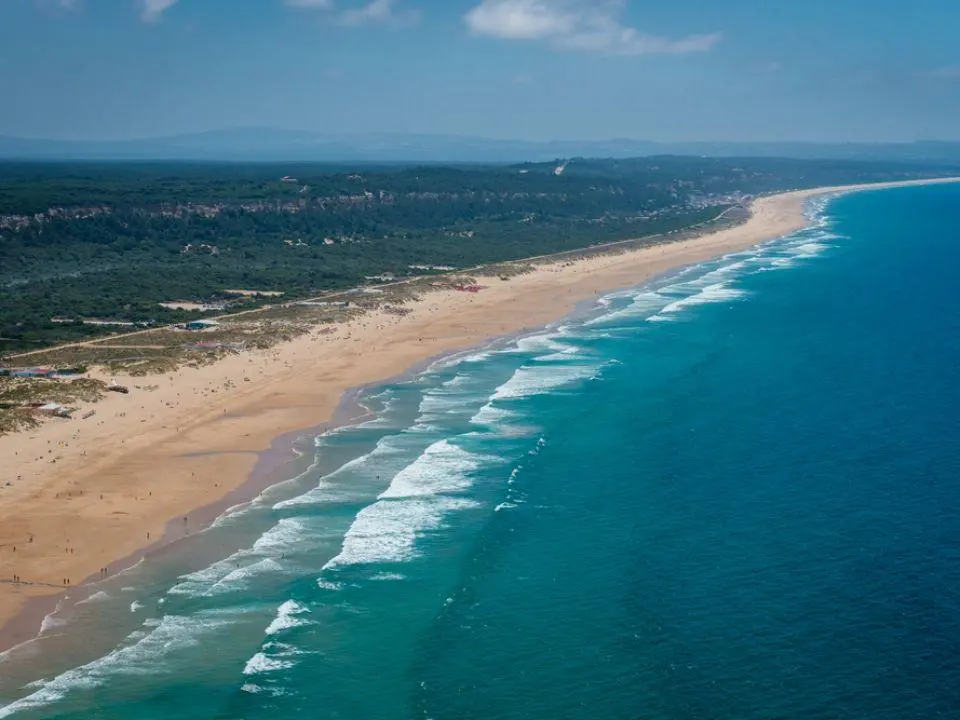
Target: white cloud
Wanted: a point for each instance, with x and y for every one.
(56, 6)
(315, 4)
(376, 11)
(592, 26)
(947, 72)
(151, 10)
(372, 12)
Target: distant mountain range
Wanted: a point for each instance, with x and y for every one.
(266, 144)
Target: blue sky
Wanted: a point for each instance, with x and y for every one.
(866, 70)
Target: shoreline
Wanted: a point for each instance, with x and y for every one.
(75, 514)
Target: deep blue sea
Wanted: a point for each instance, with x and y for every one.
(731, 494)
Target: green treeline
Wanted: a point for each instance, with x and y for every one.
(111, 241)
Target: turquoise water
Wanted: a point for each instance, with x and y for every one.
(731, 494)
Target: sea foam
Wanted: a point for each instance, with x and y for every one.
(289, 615)
(416, 502)
(536, 380)
(262, 663)
(141, 656)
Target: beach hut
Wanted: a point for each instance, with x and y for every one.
(32, 372)
(197, 325)
(54, 409)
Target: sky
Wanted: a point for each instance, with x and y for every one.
(666, 70)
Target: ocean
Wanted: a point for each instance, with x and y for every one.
(730, 493)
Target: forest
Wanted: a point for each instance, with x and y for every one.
(108, 242)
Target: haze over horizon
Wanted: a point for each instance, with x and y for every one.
(531, 70)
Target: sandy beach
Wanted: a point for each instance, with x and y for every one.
(86, 494)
